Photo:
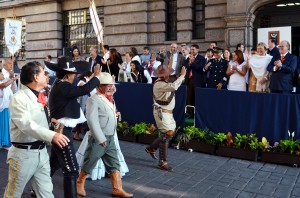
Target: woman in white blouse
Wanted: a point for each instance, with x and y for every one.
(139, 74)
(237, 70)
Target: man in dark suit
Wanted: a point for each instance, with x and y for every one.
(194, 75)
(96, 59)
(175, 61)
(282, 70)
(273, 50)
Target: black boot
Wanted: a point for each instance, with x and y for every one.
(70, 190)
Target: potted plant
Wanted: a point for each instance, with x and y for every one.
(283, 152)
(240, 146)
(124, 132)
(147, 136)
(195, 139)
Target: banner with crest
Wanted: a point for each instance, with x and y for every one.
(12, 35)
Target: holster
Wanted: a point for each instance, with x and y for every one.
(58, 127)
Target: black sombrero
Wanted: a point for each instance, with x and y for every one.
(66, 65)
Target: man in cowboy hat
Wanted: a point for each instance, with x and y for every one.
(65, 108)
(102, 121)
(164, 103)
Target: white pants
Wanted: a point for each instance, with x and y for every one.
(166, 123)
(26, 164)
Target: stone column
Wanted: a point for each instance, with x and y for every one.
(156, 27)
(215, 11)
(43, 30)
(125, 24)
(239, 30)
(184, 21)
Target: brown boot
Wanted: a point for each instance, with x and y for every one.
(117, 186)
(165, 166)
(80, 184)
(151, 152)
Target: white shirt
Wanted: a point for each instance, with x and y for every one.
(137, 58)
(106, 56)
(155, 66)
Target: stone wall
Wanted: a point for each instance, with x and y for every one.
(136, 23)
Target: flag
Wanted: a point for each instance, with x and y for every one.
(12, 35)
(96, 22)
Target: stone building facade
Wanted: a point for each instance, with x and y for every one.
(137, 23)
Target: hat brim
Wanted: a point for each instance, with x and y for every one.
(81, 66)
(54, 67)
(166, 72)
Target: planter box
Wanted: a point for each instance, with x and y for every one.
(239, 153)
(199, 147)
(280, 158)
(145, 139)
(128, 138)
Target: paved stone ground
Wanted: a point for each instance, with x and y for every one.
(195, 175)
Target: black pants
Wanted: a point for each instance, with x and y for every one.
(65, 159)
(281, 91)
(190, 96)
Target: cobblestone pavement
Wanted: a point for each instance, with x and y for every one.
(195, 175)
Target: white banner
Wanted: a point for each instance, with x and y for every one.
(96, 22)
(277, 33)
(12, 35)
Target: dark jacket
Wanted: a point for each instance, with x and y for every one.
(98, 61)
(180, 62)
(197, 70)
(217, 73)
(274, 52)
(63, 98)
(282, 80)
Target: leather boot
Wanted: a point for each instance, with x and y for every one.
(117, 186)
(151, 152)
(70, 186)
(163, 152)
(80, 183)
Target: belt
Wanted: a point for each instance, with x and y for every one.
(31, 147)
(167, 111)
(164, 110)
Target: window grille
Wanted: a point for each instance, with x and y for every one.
(199, 19)
(78, 29)
(171, 16)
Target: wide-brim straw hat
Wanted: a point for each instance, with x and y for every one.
(66, 65)
(106, 79)
(163, 71)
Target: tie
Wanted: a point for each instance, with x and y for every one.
(171, 61)
(42, 99)
(282, 58)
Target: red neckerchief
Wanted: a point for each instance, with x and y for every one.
(109, 98)
(42, 99)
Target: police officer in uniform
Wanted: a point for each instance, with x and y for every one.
(216, 68)
(65, 109)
